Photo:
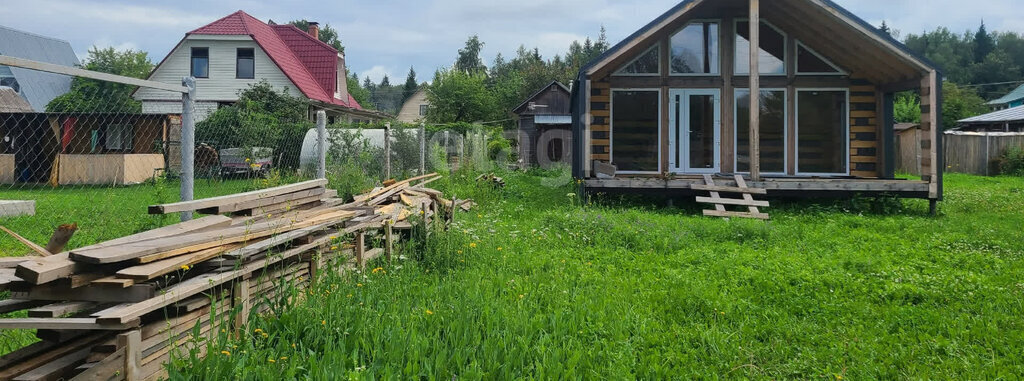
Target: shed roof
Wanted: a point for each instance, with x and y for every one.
(309, 63)
(1015, 95)
(525, 103)
(37, 87)
(1014, 114)
(10, 101)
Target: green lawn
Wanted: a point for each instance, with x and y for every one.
(531, 285)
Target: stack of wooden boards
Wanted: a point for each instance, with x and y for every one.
(117, 309)
(753, 206)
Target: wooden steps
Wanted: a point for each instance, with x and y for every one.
(720, 202)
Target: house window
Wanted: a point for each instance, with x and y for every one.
(635, 130)
(245, 63)
(772, 57)
(810, 62)
(772, 131)
(118, 137)
(201, 62)
(644, 65)
(695, 49)
(423, 110)
(555, 150)
(823, 138)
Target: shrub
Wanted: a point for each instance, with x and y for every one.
(1012, 162)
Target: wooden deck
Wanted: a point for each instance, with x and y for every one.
(776, 187)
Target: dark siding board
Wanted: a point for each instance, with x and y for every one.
(601, 135)
(864, 107)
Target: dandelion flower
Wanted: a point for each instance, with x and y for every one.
(479, 216)
(265, 335)
(185, 267)
(458, 251)
(472, 244)
(226, 353)
(293, 345)
(521, 296)
(271, 361)
(359, 285)
(429, 312)
(284, 357)
(258, 330)
(334, 248)
(348, 296)
(323, 322)
(499, 248)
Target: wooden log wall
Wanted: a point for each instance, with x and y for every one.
(865, 135)
(600, 125)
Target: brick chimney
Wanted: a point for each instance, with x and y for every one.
(314, 29)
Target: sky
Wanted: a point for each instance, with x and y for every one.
(387, 37)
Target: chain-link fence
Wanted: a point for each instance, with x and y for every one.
(105, 147)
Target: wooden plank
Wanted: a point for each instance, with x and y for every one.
(12, 262)
(88, 324)
(56, 369)
(191, 287)
(132, 344)
(728, 189)
(48, 269)
(710, 181)
(161, 248)
(728, 214)
(163, 267)
(185, 206)
(60, 309)
(55, 292)
(78, 72)
(863, 144)
(863, 159)
(746, 196)
(264, 201)
(31, 245)
(113, 281)
(11, 305)
(729, 201)
(110, 368)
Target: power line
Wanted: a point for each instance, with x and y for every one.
(995, 84)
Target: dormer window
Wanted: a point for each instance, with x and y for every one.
(7, 79)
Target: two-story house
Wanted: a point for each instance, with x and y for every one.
(230, 54)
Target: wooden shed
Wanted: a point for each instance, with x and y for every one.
(545, 123)
(671, 103)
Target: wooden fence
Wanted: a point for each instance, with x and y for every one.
(975, 153)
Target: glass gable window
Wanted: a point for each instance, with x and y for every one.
(635, 125)
(772, 128)
(772, 57)
(695, 49)
(201, 62)
(809, 62)
(245, 63)
(822, 131)
(645, 64)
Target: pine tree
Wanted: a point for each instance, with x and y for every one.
(410, 85)
(983, 44)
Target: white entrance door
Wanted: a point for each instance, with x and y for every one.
(695, 122)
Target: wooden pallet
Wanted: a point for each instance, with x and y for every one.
(741, 188)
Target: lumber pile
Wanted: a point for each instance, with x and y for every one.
(119, 308)
(492, 179)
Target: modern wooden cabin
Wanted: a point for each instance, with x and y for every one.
(672, 103)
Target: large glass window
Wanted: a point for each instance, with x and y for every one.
(772, 57)
(201, 62)
(809, 62)
(772, 131)
(245, 64)
(635, 130)
(645, 64)
(695, 49)
(822, 131)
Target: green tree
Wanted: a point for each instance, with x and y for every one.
(458, 96)
(92, 96)
(907, 108)
(959, 103)
(469, 57)
(358, 93)
(327, 34)
(262, 117)
(983, 44)
(411, 86)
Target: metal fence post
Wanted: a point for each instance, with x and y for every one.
(423, 149)
(321, 144)
(387, 150)
(188, 142)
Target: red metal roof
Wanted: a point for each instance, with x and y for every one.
(310, 64)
